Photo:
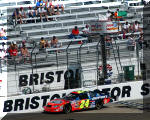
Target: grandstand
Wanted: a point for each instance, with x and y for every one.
(71, 54)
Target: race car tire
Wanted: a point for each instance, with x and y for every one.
(45, 112)
(99, 105)
(67, 109)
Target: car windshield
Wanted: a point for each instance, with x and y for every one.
(56, 101)
(71, 96)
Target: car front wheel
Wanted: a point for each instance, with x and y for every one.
(67, 109)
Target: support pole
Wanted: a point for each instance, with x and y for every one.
(67, 85)
(98, 72)
(137, 55)
(81, 80)
(104, 60)
(32, 61)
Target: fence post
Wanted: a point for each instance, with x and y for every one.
(32, 61)
(104, 60)
(97, 62)
(68, 84)
(80, 64)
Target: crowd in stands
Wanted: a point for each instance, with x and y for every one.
(43, 8)
(46, 8)
(23, 52)
(127, 27)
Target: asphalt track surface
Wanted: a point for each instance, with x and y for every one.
(109, 112)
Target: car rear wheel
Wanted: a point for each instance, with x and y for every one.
(99, 105)
(67, 109)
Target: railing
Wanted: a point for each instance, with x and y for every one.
(43, 57)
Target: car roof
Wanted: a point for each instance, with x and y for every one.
(79, 92)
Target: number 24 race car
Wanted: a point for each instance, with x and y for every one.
(78, 100)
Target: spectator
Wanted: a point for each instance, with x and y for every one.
(126, 27)
(22, 14)
(116, 15)
(57, 12)
(3, 49)
(39, 3)
(42, 9)
(50, 8)
(75, 33)
(85, 31)
(136, 27)
(108, 15)
(16, 15)
(2, 53)
(14, 44)
(24, 51)
(42, 43)
(36, 11)
(3, 46)
(30, 12)
(47, 44)
(13, 51)
(56, 5)
(3, 34)
(54, 42)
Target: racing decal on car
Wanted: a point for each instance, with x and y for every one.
(106, 101)
(84, 103)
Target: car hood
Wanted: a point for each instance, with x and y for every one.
(57, 102)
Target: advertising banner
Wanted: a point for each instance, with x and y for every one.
(35, 102)
(52, 78)
(105, 26)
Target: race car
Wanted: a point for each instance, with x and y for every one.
(78, 100)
